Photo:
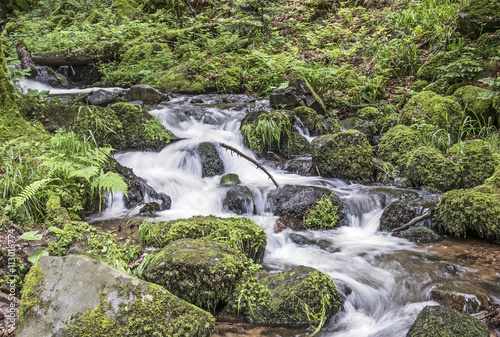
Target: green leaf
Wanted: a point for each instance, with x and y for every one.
(56, 230)
(31, 236)
(38, 254)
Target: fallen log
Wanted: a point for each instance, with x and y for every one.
(241, 154)
(26, 61)
(412, 222)
(67, 57)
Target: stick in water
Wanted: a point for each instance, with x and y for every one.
(412, 222)
(239, 153)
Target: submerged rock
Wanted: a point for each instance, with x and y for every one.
(288, 297)
(439, 321)
(201, 271)
(239, 200)
(78, 296)
(211, 163)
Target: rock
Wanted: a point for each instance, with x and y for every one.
(369, 113)
(49, 76)
(442, 112)
(325, 214)
(145, 93)
(428, 168)
(293, 145)
(419, 234)
(355, 123)
(488, 46)
(300, 240)
(296, 201)
(230, 179)
(67, 296)
(432, 69)
(475, 160)
(200, 271)
(298, 92)
(480, 16)
(465, 303)
(439, 321)
(286, 222)
(196, 101)
(251, 238)
(346, 155)
(283, 297)
(396, 215)
(211, 163)
(397, 144)
(102, 97)
(239, 200)
(300, 165)
(55, 212)
(307, 116)
(150, 209)
(419, 85)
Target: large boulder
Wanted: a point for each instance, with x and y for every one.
(439, 321)
(238, 199)
(298, 92)
(79, 296)
(241, 233)
(397, 144)
(296, 201)
(145, 93)
(300, 295)
(480, 16)
(199, 271)
(346, 155)
(428, 168)
(211, 163)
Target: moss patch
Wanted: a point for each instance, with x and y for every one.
(478, 103)
(397, 144)
(31, 290)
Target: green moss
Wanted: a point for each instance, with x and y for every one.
(347, 79)
(443, 112)
(488, 46)
(178, 80)
(124, 8)
(431, 69)
(397, 144)
(199, 271)
(230, 179)
(494, 180)
(428, 168)
(419, 85)
(477, 102)
(439, 86)
(344, 155)
(419, 234)
(324, 214)
(240, 233)
(54, 210)
(369, 113)
(475, 160)
(469, 212)
(396, 214)
(307, 116)
(30, 292)
(478, 17)
(454, 87)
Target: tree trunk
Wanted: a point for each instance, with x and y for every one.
(67, 57)
(26, 60)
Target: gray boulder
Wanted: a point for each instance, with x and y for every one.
(298, 93)
(67, 296)
(239, 199)
(211, 163)
(145, 93)
(102, 97)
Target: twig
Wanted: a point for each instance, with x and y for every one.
(119, 229)
(412, 222)
(390, 176)
(317, 170)
(232, 149)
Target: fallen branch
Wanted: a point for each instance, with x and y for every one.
(390, 176)
(67, 57)
(412, 222)
(232, 149)
(119, 229)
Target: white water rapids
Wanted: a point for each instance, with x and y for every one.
(389, 278)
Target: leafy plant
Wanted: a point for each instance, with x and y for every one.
(268, 131)
(323, 215)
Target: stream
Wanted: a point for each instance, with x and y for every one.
(390, 278)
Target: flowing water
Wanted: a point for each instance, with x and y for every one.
(389, 278)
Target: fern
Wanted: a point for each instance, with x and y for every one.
(109, 182)
(28, 201)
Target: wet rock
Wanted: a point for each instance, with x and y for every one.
(298, 92)
(211, 163)
(230, 179)
(145, 93)
(465, 303)
(49, 76)
(299, 239)
(102, 97)
(239, 200)
(419, 234)
(237, 99)
(396, 215)
(59, 290)
(201, 271)
(196, 101)
(440, 321)
(283, 297)
(301, 165)
(480, 16)
(150, 209)
(296, 201)
(285, 222)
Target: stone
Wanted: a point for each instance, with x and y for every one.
(239, 199)
(211, 163)
(419, 234)
(145, 93)
(286, 222)
(230, 179)
(465, 303)
(298, 92)
(480, 16)
(79, 296)
(150, 209)
(49, 76)
(102, 97)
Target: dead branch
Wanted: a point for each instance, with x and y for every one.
(412, 222)
(67, 57)
(239, 153)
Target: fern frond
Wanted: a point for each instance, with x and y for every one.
(110, 182)
(28, 193)
(86, 172)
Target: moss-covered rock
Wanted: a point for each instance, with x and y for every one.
(478, 17)
(473, 212)
(443, 112)
(478, 104)
(325, 215)
(431, 69)
(230, 179)
(106, 302)
(178, 80)
(298, 92)
(396, 215)
(364, 126)
(475, 160)
(200, 271)
(211, 164)
(440, 86)
(293, 297)
(55, 212)
(368, 113)
(488, 46)
(397, 144)
(454, 87)
(307, 116)
(428, 168)
(465, 303)
(439, 321)
(419, 234)
(419, 85)
(241, 233)
(347, 154)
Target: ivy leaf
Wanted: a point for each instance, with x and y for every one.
(56, 230)
(38, 254)
(31, 236)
